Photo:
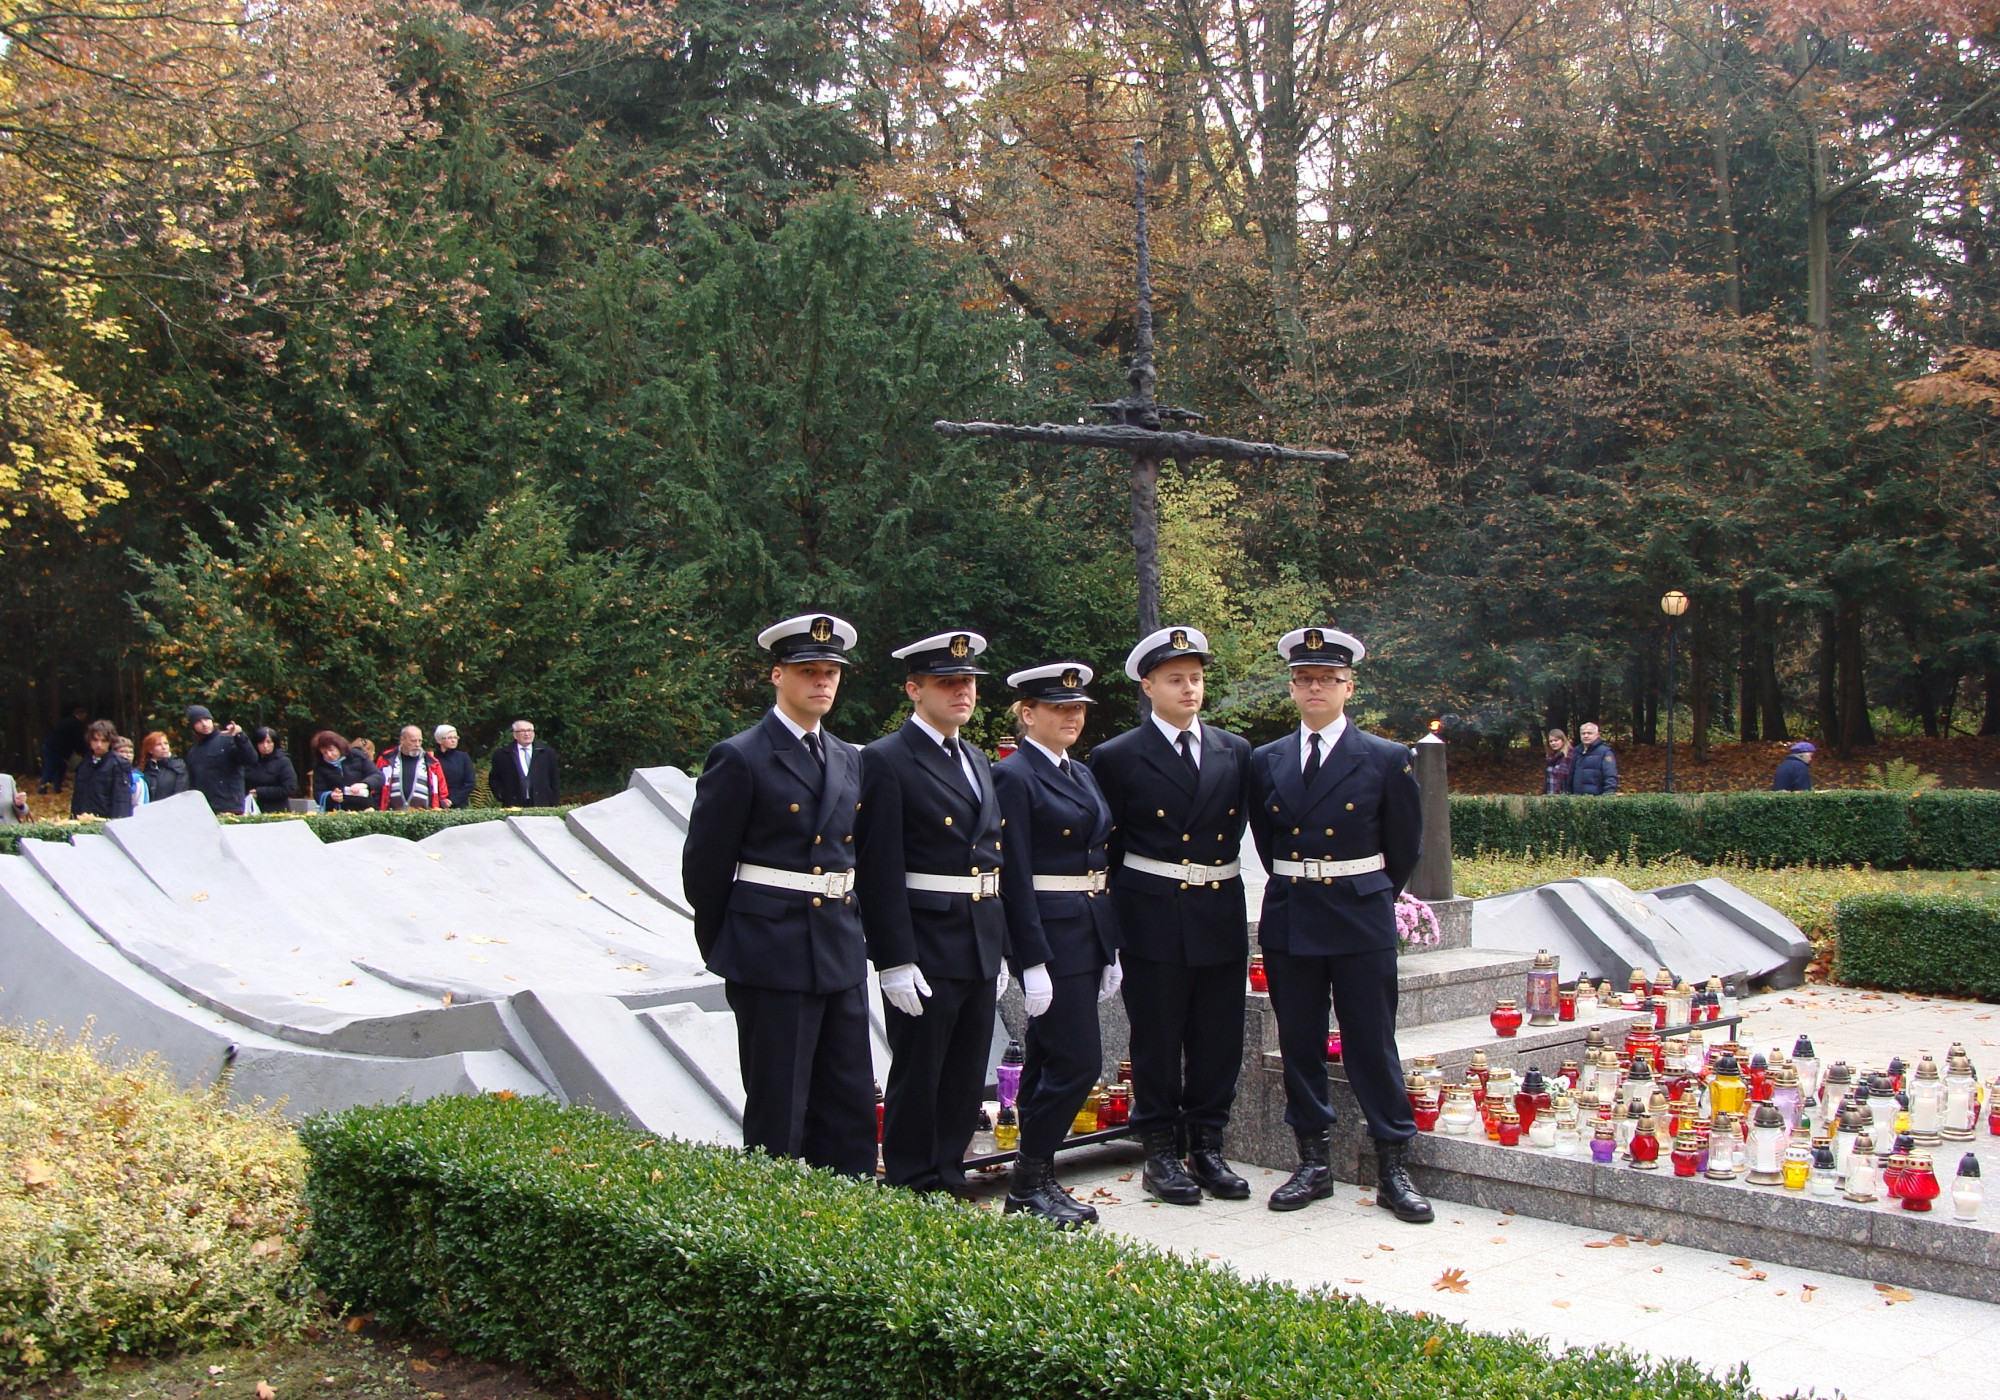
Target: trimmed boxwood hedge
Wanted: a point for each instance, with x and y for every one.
(1957, 829)
(1943, 944)
(560, 1240)
(331, 826)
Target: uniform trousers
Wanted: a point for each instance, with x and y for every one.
(1065, 1054)
(937, 1079)
(1362, 991)
(1187, 1041)
(808, 1081)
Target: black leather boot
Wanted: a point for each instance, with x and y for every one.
(1034, 1189)
(1206, 1165)
(1313, 1181)
(1164, 1176)
(1393, 1188)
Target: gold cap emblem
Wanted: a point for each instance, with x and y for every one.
(960, 645)
(1179, 641)
(822, 629)
(1315, 639)
(1072, 678)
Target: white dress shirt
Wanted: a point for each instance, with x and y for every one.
(1193, 731)
(1328, 738)
(522, 753)
(793, 725)
(1059, 759)
(964, 763)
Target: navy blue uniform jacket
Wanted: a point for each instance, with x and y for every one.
(761, 800)
(917, 817)
(1163, 812)
(1363, 801)
(1055, 826)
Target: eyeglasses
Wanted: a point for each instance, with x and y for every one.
(1321, 683)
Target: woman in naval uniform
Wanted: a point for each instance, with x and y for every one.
(1060, 924)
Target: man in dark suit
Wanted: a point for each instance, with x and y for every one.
(525, 773)
(769, 869)
(1060, 923)
(928, 839)
(1179, 791)
(1336, 818)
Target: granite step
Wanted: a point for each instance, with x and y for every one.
(1454, 983)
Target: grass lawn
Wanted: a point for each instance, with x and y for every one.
(331, 1363)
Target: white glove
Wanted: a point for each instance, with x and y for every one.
(1112, 979)
(1038, 989)
(1000, 987)
(905, 988)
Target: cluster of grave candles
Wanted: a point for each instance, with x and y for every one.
(1669, 1002)
(1780, 1120)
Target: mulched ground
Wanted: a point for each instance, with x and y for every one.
(1732, 767)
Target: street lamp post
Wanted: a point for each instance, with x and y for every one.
(1673, 604)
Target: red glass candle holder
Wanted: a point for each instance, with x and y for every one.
(1509, 1135)
(1659, 1010)
(1259, 981)
(1993, 1117)
(1117, 1111)
(1427, 1111)
(1566, 1004)
(1506, 1018)
(1919, 1186)
(1645, 1149)
(1333, 1047)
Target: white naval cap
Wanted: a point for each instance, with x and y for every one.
(1165, 645)
(1320, 646)
(809, 637)
(1058, 683)
(946, 654)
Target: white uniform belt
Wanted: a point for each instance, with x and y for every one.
(1184, 872)
(1327, 869)
(1093, 883)
(834, 884)
(986, 883)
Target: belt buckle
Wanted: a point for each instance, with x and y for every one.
(1100, 880)
(989, 884)
(1197, 874)
(839, 883)
(1312, 869)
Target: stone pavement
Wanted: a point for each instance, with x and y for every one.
(1797, 1330)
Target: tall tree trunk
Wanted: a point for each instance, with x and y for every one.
(1746, 667)
(1725, 213)
(1698, 684)
(1855, 727)
(1829, 673)
(1281, 137)
(1770, 698)
(1819, 262)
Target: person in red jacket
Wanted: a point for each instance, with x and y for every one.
(411, 777)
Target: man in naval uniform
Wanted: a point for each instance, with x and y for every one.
(1179, 793)
(769, 870)
(928, 838)
(1335, 815)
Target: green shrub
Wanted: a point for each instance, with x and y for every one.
(331, 826)
(1941, 944)
(557, 1239)
(135, 1217)
(1938, 830)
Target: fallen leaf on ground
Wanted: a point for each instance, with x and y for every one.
(1659, 1268)
(1597, 1244)
(1450, 1281)
(1893, 1294)
(36, 1172)
(1741, 1263)
(1127, 1177)
(419, 1364)
(1498, 1239)
(355, 1324)
(1365, 1201)
(1351, 1280)
(215, 1370)
(270, 1244)
(1213, 1256)
(1779, 1292)
(1656, 1242)
(1386, 1248)
(1558, 1302)
(265, 1392)
(1647, 1307)
(1620, 1242)
(1808, 1292)
(1755, 1275)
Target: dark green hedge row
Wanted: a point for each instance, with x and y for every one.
(334, 826)
(557, 1239)
(1957, 829)
(1941, 944)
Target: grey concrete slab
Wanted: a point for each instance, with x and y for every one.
(604, 1057)
(705, 1044)
(631, 834)
(669, 789)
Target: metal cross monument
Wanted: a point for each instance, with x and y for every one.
(1135, 427)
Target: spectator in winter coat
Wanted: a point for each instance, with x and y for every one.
(342, 780)
(271, 779)
(459, 774)
(1593, 767)
(411, 778)
(103, 780)
(165, 775)
(525, 773)
(217, 760)
(141, 795)
(64, 739)
(1557, 763)
(1795, 769)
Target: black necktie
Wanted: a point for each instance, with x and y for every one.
(1064, 766)
(1312, 757)
(812, 747)
(951, 747)
(1186, 741)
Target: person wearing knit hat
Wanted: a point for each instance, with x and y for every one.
(1795, 769)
